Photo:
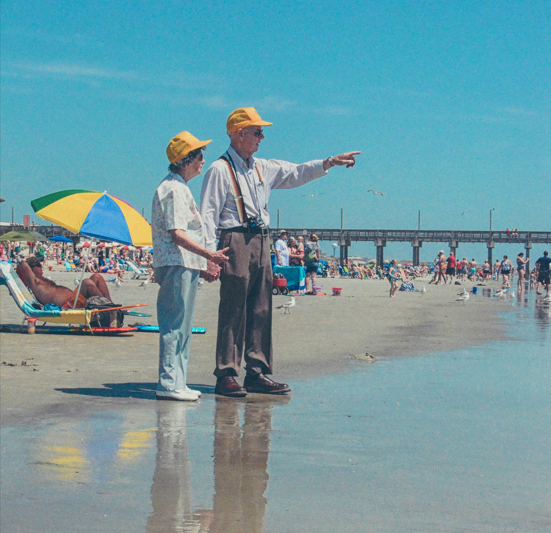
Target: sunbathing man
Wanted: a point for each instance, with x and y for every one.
(48, 292)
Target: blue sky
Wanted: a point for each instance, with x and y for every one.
(448, 101)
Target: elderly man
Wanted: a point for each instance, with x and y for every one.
(234, 200)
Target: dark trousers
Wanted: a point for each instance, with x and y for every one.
(245, 312)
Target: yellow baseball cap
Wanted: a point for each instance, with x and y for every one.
(182, 145)
(246, 116)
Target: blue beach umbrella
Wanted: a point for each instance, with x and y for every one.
(60, 238)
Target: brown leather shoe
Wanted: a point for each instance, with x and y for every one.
(264, 385)
(228, 386)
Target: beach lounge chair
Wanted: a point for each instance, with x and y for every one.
(32, 309)
(136, 270)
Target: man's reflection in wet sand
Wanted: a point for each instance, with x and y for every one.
(240, 468)
(241, 462)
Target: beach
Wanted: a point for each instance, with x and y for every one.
(321, 335)
(417, 413)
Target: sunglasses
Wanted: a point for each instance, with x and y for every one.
(197, 154)
(256, 133)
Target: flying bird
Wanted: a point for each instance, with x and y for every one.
(287, 306)
(466, 211)
(312, 195)
(375, 192)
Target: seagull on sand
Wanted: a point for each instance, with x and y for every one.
(117, 282)
(144, 283)
(547, 298)
(463, 298)
(463, 292)
(499, 293)
(287, 306)
(77, 282)
(375, 192)
(423, 290)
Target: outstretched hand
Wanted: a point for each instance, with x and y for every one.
(348, 159)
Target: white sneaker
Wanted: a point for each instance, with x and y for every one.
(182, 395)
(193, 391)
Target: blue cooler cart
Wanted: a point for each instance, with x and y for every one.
(295, 277)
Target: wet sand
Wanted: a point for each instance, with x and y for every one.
(443, 443)
(320, 336)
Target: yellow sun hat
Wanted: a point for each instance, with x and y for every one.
(182, 145)
(243, 117)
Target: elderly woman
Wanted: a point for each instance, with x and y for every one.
(180, 257)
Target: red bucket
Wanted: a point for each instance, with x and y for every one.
(50, 268)
(337, 291)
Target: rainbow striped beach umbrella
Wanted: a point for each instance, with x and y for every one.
(94, 214)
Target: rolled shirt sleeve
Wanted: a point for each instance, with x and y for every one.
(284, 175)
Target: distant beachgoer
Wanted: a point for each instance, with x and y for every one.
(281, 250)
(295, 258)
(486, 270)
(450, 268)
(441, 267)
(521, 269)
(300, 248)
(473, 267)
(394, 275)
(543, 266)
(505, 269)
(312, 254)
(48, 292)
(497, 265)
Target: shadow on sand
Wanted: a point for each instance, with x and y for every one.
(145, 391)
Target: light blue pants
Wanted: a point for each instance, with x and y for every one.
(175, 307)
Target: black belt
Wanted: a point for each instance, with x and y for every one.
(247, 229)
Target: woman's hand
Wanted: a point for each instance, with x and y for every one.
(218, 256)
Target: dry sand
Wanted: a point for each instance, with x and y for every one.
(321, 335)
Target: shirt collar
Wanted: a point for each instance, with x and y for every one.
(239, 161)
(177, 177)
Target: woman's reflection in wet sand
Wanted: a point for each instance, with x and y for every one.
(171, 488)
(240, 468)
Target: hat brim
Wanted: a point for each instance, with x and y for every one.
(189, 149)
(244, 125)
(260, 123)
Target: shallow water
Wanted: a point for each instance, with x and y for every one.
(454, 441)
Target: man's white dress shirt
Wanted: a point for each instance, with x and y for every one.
(218, 208)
